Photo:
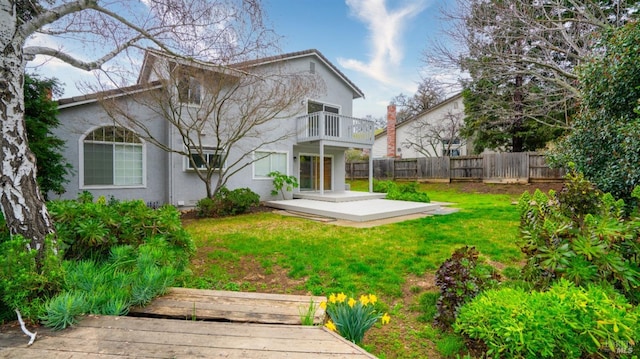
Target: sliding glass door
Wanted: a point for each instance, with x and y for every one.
(310, 173)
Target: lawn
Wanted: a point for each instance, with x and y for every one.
(268, 252)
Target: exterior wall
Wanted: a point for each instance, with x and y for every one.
(167, 178)
(77, 121)
(406, 130)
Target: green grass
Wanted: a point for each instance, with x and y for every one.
(322, 258)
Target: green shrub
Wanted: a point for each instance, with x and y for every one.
(583, 242)
(460, 279)
(89, 230)
(564, 322)
(227, 202)
(401, 192)
(282, 183)
(23, 286)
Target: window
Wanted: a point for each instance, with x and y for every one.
(454, 152)
(189, 90)
(331, 120)
(207, 157)
(113, 156)
(267, 162)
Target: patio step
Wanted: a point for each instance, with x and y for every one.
(357, 211)
(345, 196)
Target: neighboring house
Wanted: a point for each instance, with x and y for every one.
(432, 133)
(114, 160)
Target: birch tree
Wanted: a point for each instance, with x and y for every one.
(106, 29)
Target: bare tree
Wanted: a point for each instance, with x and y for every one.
(430, 93)
(521, 57)
(109, 28)
(436, 138)
(222, 114)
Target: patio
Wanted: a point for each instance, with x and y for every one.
(352, 206)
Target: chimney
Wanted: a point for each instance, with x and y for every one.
(391, 131)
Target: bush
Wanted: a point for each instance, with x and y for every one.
(460, 278)
(89, 229)
(227, 202)
(588, 241)
(401, 192)
(564, 322)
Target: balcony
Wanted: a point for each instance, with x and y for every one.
(338, 129)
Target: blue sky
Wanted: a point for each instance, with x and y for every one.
(378, 44)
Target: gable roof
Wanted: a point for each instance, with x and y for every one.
(357, 93)
(423, 113)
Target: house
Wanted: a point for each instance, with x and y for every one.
(432, 133)
(157, 139)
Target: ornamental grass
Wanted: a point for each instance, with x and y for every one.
(352, 318)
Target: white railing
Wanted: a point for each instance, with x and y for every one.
(331, 126)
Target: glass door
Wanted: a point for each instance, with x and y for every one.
(310, 173)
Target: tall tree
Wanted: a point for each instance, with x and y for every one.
(437, 137)
(430, 93)
(110, 28)
(521, 56)
(40, 118)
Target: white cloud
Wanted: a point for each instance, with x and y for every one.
(385, 34)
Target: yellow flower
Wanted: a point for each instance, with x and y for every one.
(364, 300)
(341, 297)
(373, 299)
(385, 319)
(352, 302)
(332, 298)
(331, 326)
(323, 305)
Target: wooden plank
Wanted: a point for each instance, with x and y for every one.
(108, 337)
(185, 303)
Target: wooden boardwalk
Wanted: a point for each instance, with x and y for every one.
(137, 337)
(184, 303)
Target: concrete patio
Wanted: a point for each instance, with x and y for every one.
(352, 206)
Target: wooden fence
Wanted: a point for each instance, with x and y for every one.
(521, 167)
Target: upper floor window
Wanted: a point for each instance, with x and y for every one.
(113, 156)
(317, 107)
(206, 157)
(189, 90)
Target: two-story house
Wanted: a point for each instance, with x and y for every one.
(155, 139)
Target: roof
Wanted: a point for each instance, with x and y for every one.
(151, 54)
(357, 93)
(423, 113)
(121, 91)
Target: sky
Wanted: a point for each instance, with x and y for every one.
(377, 44)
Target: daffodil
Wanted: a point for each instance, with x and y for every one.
(332, 298)
(364, 299)
(373, 299)
(323, 305)
(385, 319)
(352, 302)
(331, 326)
(341, 297)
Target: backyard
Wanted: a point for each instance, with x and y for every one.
(268, 252)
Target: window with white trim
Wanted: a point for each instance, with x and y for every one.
(207, 157)
(267, 162)
(113, 156)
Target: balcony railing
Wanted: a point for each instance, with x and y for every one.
(337, 128)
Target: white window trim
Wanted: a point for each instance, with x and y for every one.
(324, 104)
(266, 178)
(81, 184)
(186, 164)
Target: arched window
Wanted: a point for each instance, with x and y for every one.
(113, 156)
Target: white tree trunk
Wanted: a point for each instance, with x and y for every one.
(21, 202)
